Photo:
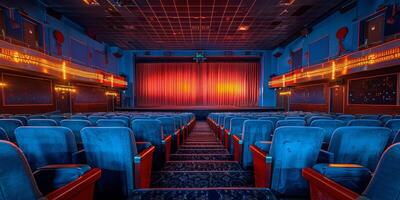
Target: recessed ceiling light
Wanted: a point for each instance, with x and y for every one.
(243, 28)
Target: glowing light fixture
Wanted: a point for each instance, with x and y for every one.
(243, 28)
(111, 93)
(285, 93)
(91, 2)
(65, 88)
(2, 84)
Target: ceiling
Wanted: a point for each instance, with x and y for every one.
(193, 24)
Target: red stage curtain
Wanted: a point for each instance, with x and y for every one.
(194, 84)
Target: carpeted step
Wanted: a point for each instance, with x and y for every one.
(202, 166)
(204, 194)
(202, 143)
(177, 157)
(202, 146)
(175, 179)
(202, 151)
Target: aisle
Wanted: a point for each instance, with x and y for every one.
(202, 168)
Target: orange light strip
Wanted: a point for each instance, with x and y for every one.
(285, 93)
(338, 67)
(62, 69)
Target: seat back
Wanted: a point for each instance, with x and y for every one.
(37, 117)
(293, 148)
(46, 145)
(3, 135)
(385, 118)
(21, 118)
(253, 131)
(149, 130)
(291, 122)
(42, 122)
(364, 122)
(57, 118)
(294, 118)
(111, 123)
(346, 118)
(385, 184)
(375, 117)
(329, 126)
(17, 181)
(237, 125)
(81, 117)
(227, 122)
(76, 125)
(9, 125)
(394, 125)
(311, 119)
(359, 145)
(112, 149)
(272, 119)
(396, 138)
(93, 118)
(168, 125)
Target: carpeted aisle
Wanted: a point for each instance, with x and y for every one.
(202, 169)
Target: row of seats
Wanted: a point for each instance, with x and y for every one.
(278, 153)
(125, 155)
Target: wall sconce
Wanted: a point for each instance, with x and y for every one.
(2, 84)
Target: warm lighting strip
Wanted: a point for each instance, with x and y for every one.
(2, 84)
(65, 71)
(65, 89)
(338, 67)
(285, 93)
(111, 94)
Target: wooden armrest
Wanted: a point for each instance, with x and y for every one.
(81, 188)
(143, 165)
(167, 146)
(237, 148)
(262, 167)
(322, 187)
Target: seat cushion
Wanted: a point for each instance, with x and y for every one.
(52, 177)
(352, 176)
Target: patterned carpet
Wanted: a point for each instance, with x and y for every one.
(202, 168)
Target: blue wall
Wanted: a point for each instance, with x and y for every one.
(322, 38)
(77, 47)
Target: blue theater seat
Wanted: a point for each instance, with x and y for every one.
(292, 122)
(346, 118)
(364, 122)
(93, 118)
(361, 146)
(57, 118)
(44, 146)
(311, 119)
(37, 117)
(294, 118)
(111, 123)
(329, 126)
(42, 122)
(3, 135)
(82, 117)
(236, 128)
(21, 118)
(125, 164)
(9, 125)
(123, 118)
(374, 117)
(278, 166)
(253, 131)
(394, 125)
(385, 118)
(272, 119)
(384, 185)
(169, 128)
(149, 130)
(18, 182)
(76, 125)
(396, 138)
(225, 128)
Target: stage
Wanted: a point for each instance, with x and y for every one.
(201, 112)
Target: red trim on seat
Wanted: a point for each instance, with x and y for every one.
(262, 169)
(167, 147)
(226, 139)
(81, 188)
(237, 149)
(143, 169)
